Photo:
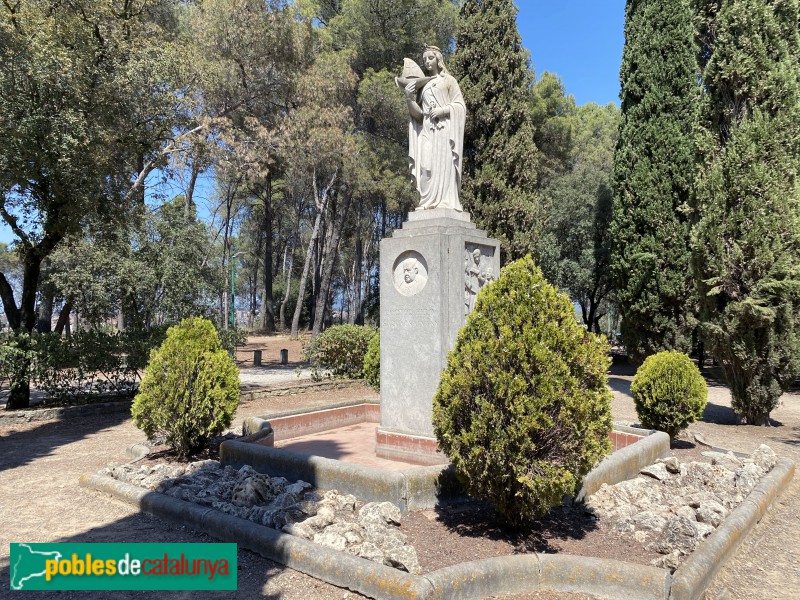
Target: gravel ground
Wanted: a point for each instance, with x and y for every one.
(40, 500)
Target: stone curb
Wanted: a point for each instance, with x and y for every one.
(283, 389)
(415, 488)
(338, 568)
(625, 463)
(465, 581)
(63, 412)
(696, 574)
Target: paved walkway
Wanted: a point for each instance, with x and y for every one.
(354, 444)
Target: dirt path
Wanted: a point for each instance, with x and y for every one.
(40, 500)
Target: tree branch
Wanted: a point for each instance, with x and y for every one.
(9, 304)
(12, 222)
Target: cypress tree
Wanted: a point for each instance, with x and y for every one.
(746, 247)
(499, 177)
(653, 178)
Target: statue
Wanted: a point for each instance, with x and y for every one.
(435, 131)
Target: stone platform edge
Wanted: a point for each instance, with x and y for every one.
(696, 574)
(418, 487)
(415, 488)
(468, 581)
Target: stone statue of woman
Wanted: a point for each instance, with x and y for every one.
(435, 131)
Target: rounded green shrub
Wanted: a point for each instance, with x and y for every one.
(669, 392)
(372, 362)
(189, 390)
(523, 406)
(340, 349)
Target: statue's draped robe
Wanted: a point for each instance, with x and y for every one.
(435, 147)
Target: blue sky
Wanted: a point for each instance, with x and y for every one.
(580, 40)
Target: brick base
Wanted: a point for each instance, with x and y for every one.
(417, 450)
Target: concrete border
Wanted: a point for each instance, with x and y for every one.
(465, 581)
(52, 413)
(625, 463)
(416, 488)
(697, 573)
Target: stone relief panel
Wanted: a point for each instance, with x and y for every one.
(410, 273)
(478, 272)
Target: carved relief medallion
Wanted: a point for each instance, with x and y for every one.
(410, 273)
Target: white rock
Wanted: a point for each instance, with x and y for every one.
(764, 457)
(671, 463)
(649, 520)
(656, 471)
(379, 512)
(331, 540)
(403, 557)
(747, 477)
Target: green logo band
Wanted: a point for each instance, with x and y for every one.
(123, 567)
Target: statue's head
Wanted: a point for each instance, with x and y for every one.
(432, 55)
(410, 272)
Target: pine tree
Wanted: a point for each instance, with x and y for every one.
(653, 178)
(499, 176)
(746, 247)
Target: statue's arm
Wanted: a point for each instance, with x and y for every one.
(411, 99)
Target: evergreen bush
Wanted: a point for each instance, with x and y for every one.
(340, 349)
(189, 390)
(372, 362)
(669, 392)
(523, 406)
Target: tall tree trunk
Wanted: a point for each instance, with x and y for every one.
(268, 308)
(63, 316)
(9, 303)
(328, 264)
(44, 321)
(287, 294)
(189, 209)
(355, 316)
(321, 201)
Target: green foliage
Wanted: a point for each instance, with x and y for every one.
(88, 364)
(155, 267)
(653, 178)
(71, 145)
(500, 154)
(190, 388)
(372, 362)
(383, 32)
(523, 407)
(669, 392)
(230, 338)
(746, 258)
(341, 349)
(576, 245)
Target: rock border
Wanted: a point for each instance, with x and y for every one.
(466, 581)
(692, 578)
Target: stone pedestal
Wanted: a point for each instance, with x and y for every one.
(430, 271)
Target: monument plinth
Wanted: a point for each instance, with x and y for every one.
(430, 272)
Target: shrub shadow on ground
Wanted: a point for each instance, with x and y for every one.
(31, 443)
(475, 519)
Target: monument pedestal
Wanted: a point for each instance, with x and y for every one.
(430, 272)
